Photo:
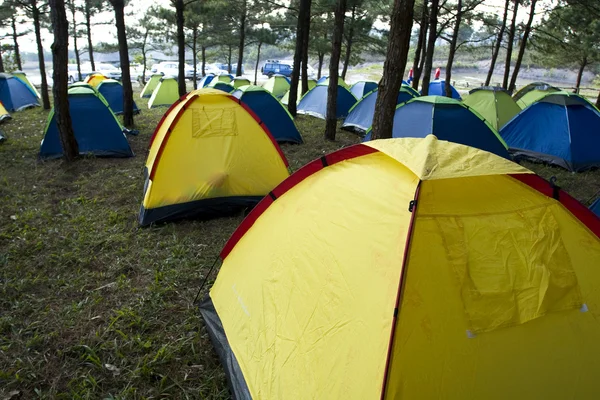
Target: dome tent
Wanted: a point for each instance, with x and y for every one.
(151, 85)
(94, 79)
(494, 104)
(225, 87)
(112, 91)
(271, 112)
(437, 87)
(23, 76)
(531, 93)
(361, 88)
(209, 156)
(314, 102)
(595, 207)
(311, 84)
(447, 119)
(96, 128)
(213, 79)
(4, 115)
(277, 85)
(165, 93)
(393, 295)
(560, 128)
(15, 95)
(360, 116)
(341, 82)
(240, 81)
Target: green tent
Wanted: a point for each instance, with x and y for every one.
(494, 104)
(238, 82)
(22, 76)
(341, 82)
(311, 84)
(165, 94)
(277, 85)
(531, 93)
(151, 85)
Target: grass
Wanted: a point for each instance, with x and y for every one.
(93, 307)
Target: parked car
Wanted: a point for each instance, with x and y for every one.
(225, 67)
(210, 69)
(272, 67)
(169, 68)
(74, 73)
(108, 70)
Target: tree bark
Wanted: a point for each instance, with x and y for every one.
(16, 42)
(430, 46)
(257, 63)
(582, 66)
(393, 68)
(334, 65)
(452, 50)
(194, 56)
(119, 6)
(509, 45)
(302, 10)
(420, 46)
(1, 62)
(229, 59)
(598, 100)
(77, 59)
(496, 49)
(515, 74)
(238, 71)
(35, 13)
(349, 39)
(144, 58)
(60, 60)
(179, 6)
(321, 57)
(305, 44)
(203, 60)
(88, 26)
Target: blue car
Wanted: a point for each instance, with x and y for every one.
(273, 67)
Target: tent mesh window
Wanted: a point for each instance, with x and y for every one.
(211, 122)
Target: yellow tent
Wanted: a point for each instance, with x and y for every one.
(23, 76)
(4, 115)
(209, 156)
(411, 269)
(94, 79)
(165, 93)
(151, 85)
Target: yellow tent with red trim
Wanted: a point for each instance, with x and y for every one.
(411, 269)
(210, 155)
(4, 115)
(94, 79)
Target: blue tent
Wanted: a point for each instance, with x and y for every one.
(314, 102)
(447, 119)
(222, 86)
(359, 89)
(560, 128)
(270, 112)
(596, 207)
(322, 79)
(112, 91)
(96, 128)
(204, 82)
(15, 94)
(438, 88)
(360, 117)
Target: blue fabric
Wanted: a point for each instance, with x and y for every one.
(96, 130)
(314, 102)
(450, 122)
(361, 115)
(113, 93)
(567, 135)
(438, 88)
(271, 112)
(322, 79)
(224, 87)
(204, 82)
(16, 95)
(359, 89)
(596, 207)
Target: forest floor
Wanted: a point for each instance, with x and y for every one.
(94, 307)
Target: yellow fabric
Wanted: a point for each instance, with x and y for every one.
(150, 86)
(492, 306)
(94, 79)
(3, 110)
(165, 93)
(430, 158)
(306, 305)
(215, 149)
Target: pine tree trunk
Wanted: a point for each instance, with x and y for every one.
(582, 66)
(295, 79)
(257, 63)
(238, 71)
(496, 49)
(42, 64)
(203, 60)
(349, 39)
(229, 59)
(77, 59)
(420, 45)
(179, 6)
(515, 74)
(334, 65)
(598, 100)
(321, 57)
(419, 71)
(119, 6)
(16, 43)
(305, 44)
(509, 45)
(194, 56)
(430, 46)
(144, 61)
(60, 60)
(393, 68)
(88, 26)
(452, 51)
(1, 62)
